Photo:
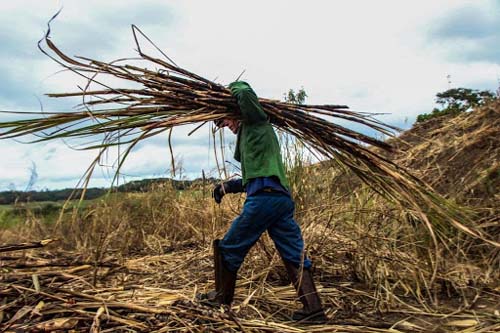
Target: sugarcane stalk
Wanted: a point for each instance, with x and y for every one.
(25, 246)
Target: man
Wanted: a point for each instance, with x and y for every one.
(268, 206)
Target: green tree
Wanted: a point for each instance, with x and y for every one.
(293, 150)
(457, 100)
(298, 97)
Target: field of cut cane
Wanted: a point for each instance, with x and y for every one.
(135, 262)
(123, 267)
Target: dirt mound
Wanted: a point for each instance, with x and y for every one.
(459, 155)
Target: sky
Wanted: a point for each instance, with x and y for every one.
(383, 56)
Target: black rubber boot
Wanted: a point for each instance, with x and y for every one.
(225, 282)
(302, 280)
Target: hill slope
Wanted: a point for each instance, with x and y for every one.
(458, 155)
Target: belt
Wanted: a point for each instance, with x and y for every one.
(270, 190)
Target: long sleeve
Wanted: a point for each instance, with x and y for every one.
(251, 110)
(234, 186)
(257, 146)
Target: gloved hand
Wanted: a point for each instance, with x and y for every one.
(217, 193)
(231, 186)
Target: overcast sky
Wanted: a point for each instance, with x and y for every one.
(378, 56)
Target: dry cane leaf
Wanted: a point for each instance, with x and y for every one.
(463, 323)
(96, 324)
(56, 324)
(47, 241)
(168, 299)
(408, 325)
(36, 282)
(38, 308)
(247, 300)
(20, 314)
(4, 301)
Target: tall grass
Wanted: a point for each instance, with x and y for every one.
(369, 260)
(350, 236)
(370, 255)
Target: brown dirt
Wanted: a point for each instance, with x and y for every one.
(459, 156)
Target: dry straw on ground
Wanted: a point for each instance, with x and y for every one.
(134, 263)
(156, 292)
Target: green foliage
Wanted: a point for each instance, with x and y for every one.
(293, 97)
(293, 151)
(8, 219)
(12, 215)
(10, 197)
(457, 100)
(144, 185)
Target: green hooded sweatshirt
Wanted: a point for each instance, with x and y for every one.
(257, 147)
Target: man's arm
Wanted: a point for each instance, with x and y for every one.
(231, 186)
(251, 110)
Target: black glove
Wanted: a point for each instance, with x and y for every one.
(231, 186)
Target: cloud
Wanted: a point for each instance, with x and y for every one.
(27, 73)
(468, 22)
(470, 32)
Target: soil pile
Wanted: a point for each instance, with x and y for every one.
(459, 156)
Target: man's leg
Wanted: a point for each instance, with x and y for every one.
(287, 237)
(258, 213)
(229, 253)
(225, 280)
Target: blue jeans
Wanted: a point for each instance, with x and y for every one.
(264, 211)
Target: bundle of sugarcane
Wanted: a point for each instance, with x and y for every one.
(173, 96)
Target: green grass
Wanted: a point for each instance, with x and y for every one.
(7, 217)
(46, 211)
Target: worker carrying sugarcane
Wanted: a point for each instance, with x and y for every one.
(268, 206)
